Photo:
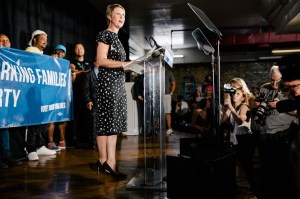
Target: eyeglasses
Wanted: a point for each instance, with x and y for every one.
(275, 82)
(294, 86)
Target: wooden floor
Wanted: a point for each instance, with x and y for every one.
(71, 174)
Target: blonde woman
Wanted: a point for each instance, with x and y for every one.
(240, 83)
(235, 112)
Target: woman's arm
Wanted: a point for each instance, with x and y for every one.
(240, 117)
(225, 113)
(103, 61)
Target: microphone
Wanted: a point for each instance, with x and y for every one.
(155, 43)
(157, 52)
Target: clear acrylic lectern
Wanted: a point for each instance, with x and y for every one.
(153, 168)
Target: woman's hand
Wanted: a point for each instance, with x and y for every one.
(140, 97)
(227, 102)
(89, 105)
(126, 65)
(273, 104)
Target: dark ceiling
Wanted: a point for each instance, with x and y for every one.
(242, 22)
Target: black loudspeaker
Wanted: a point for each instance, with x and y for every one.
(201, 172)
(193, 147)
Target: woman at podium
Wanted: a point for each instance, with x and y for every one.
(111, 105)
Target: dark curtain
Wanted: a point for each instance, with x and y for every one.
(66, 22)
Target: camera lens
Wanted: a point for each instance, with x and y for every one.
(261, 112)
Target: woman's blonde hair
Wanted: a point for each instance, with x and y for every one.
(242, 84)
(110, 9)
(249, 97)
(246, 100)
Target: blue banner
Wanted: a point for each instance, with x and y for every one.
(34, 89)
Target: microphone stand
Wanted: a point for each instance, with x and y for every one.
(159, 49)
(217, 92)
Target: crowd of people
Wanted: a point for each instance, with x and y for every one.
(35, 139)
(254, 123)
(195, 115)
(251, 126)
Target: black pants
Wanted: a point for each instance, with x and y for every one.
(36, 135)
(90, 127)
(17, 142)
(244, 153)
(277, 176)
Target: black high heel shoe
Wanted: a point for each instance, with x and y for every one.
(108, 170)
(99, 167)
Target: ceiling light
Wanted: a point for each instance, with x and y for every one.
(283, 51)
(269, 57)
(178, 56)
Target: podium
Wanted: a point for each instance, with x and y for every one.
(153, 167)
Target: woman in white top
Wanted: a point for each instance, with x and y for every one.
(235, 111)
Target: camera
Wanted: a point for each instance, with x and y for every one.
(229, 89)
(262, 110)
(260, 114)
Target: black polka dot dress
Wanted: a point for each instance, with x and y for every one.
(111, 104)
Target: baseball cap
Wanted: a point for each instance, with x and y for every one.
(37, 32)
(60, 47)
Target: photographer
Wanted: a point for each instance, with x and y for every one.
(273, 147)
(289, 66)
(234, 115)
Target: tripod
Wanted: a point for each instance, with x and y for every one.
(208, 49)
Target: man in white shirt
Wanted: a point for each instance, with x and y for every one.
(36, 133)
(38, 42)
